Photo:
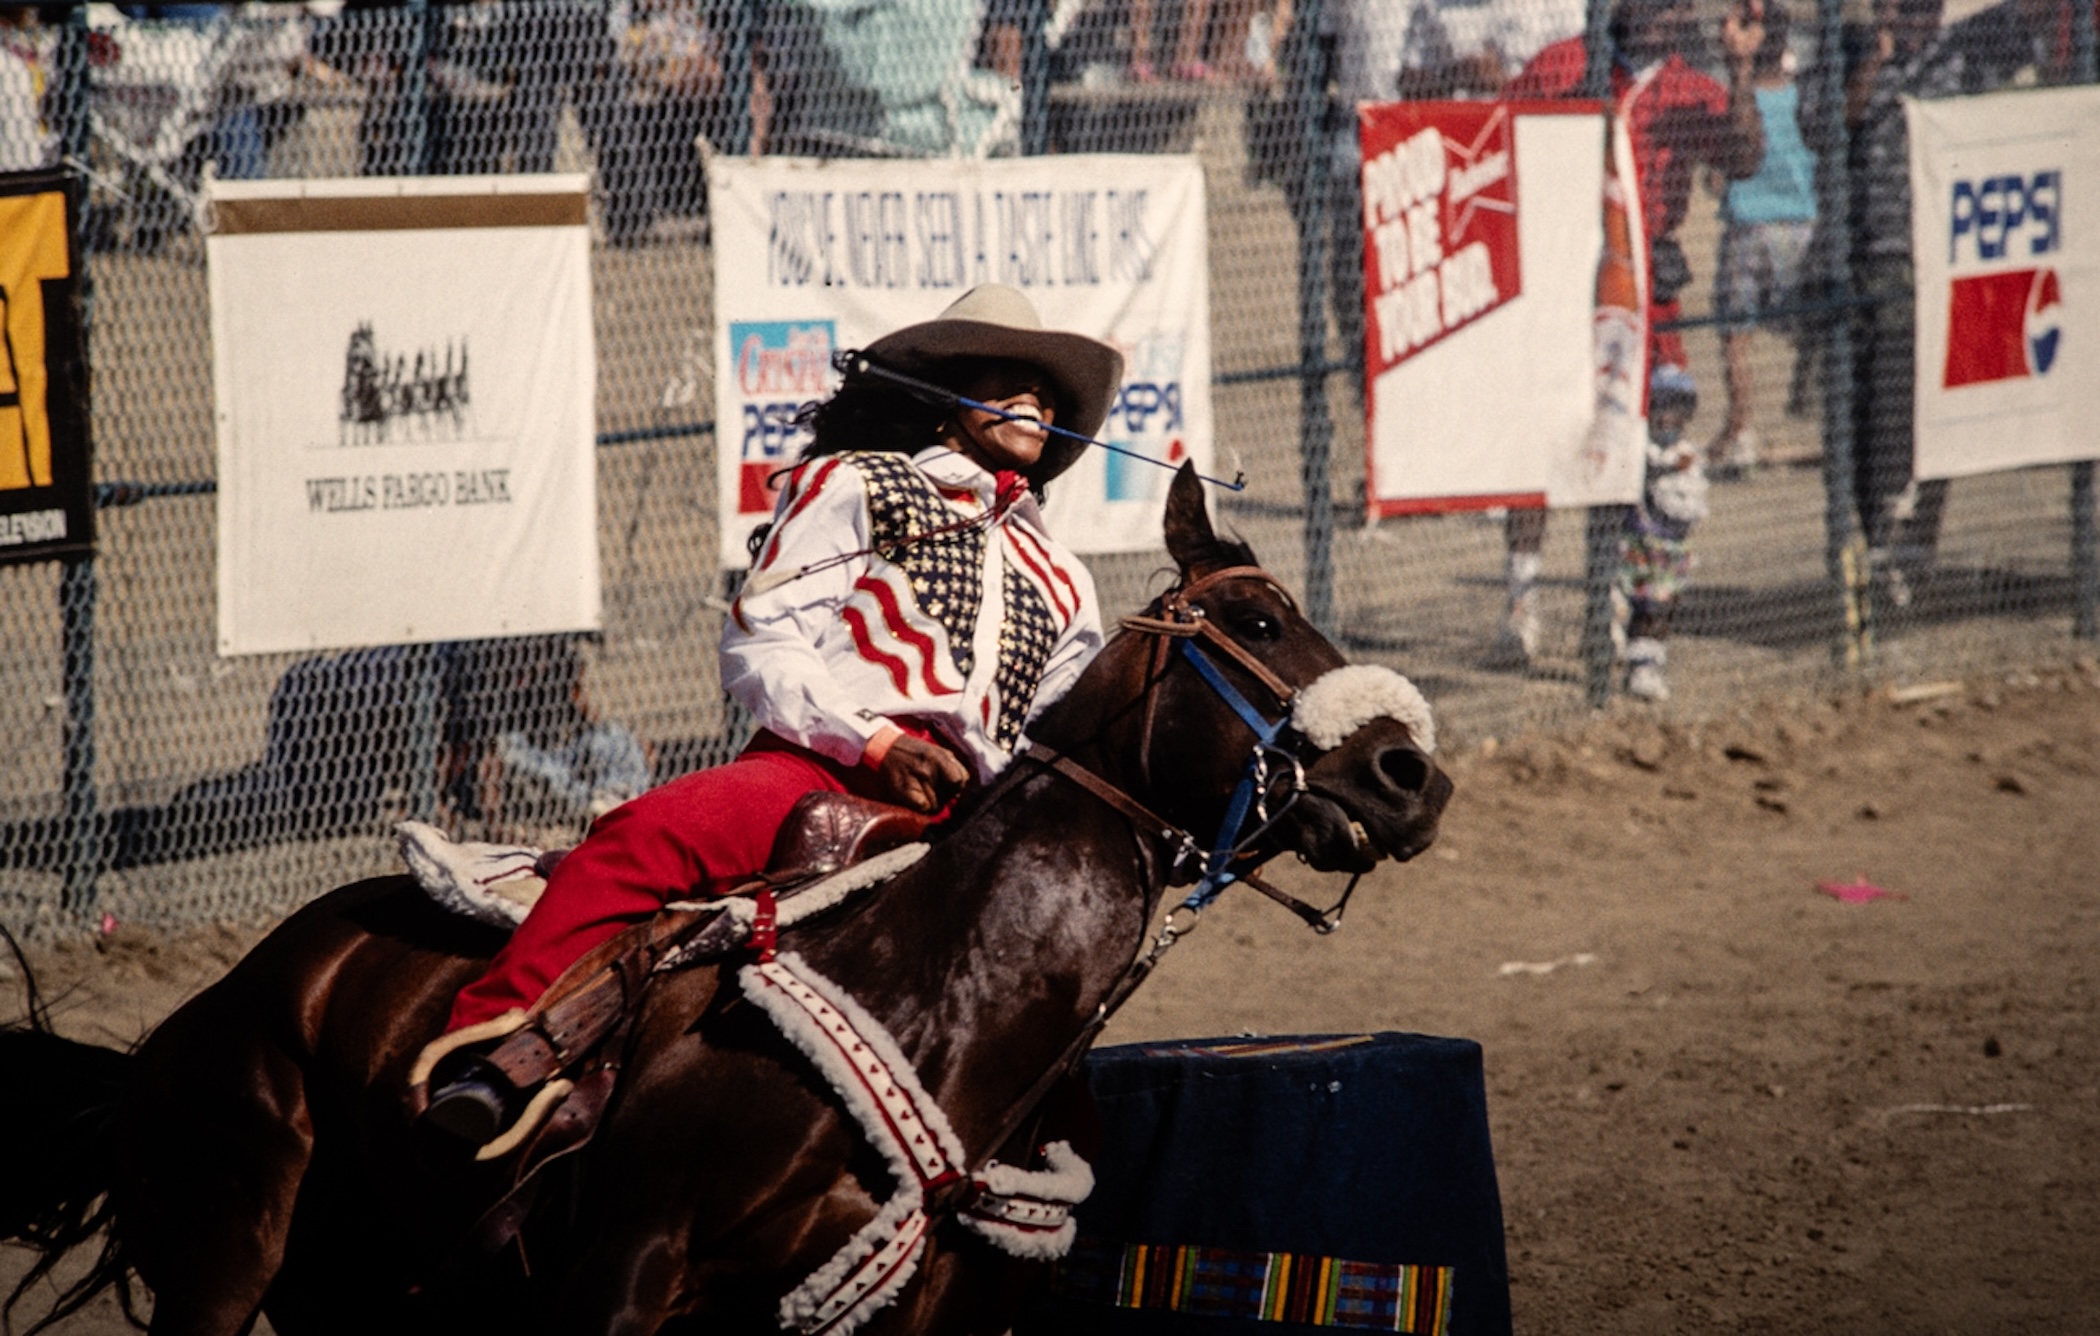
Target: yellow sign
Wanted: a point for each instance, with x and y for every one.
(32, 249)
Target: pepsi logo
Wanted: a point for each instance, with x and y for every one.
(2043, 328)
(2002, 326)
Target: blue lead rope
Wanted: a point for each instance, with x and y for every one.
(1217, 874)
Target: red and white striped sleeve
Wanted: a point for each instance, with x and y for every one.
(770, 656)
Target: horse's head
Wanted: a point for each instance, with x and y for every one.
(1224, 671)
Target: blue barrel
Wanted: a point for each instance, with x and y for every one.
(1303, 1184)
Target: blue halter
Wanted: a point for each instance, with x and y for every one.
(1250, 794)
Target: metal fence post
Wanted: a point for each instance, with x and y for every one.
(1603, 526)
(77, 591)
(415, 87)
(426, 725)
(2085, 545)
(739, 49)
(1844, 563)
(1315, 424)
(1035, 79)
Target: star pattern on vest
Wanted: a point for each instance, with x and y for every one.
(1025, 642)
(946, 573)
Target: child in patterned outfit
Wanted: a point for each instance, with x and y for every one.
(906, 615)
(1654, 559)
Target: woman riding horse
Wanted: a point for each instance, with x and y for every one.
(907, 615)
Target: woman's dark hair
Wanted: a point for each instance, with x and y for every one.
(1771, 56)
(870, 414)
(866, 413)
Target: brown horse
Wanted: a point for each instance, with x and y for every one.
(259, 1158)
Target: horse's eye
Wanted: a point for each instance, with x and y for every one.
(1256, 625)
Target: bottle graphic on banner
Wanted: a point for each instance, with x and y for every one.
(1620, 334)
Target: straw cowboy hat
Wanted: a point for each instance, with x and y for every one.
(993, 320)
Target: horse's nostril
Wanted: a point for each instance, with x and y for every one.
(1406, 768)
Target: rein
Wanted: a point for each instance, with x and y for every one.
(1182, 627)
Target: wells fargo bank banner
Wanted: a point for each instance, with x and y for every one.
(812, 257)
(405, 377)
(46, 491)
(1495, 345)
(2005, 193)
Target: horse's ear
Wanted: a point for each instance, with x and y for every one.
(1190, 539)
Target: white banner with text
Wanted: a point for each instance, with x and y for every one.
(405, 385)
(2004, 190)
(1489, 292)
(813, 257)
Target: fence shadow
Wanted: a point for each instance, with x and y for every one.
(1801, 615)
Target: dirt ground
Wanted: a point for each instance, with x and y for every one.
(1722, 1100)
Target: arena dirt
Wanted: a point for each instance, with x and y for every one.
(1722, 1100)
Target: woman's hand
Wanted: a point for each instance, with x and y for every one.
(922, 775)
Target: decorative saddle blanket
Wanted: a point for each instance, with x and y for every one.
(1024, 1212)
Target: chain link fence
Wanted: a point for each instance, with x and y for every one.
(147, 778)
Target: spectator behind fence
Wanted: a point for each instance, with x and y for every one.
(1191, 24)
(831, 83)
(1381, 52)
(1766, 221)
(496, 79)
(522, 741)
(343, 748)
(1456, 48)
(1655, 559)
(1906, 54)
(26, 140)
(679, 91)
(1676, 118)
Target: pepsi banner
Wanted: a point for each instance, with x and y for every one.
(2006, 191)
(1504, 332)
(812, 257)
(406, 389)
(46, 497)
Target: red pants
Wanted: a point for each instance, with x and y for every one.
(701, 834)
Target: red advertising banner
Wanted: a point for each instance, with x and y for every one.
(1440, 222)
(1504, 331)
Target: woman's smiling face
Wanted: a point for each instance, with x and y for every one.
(998, 443)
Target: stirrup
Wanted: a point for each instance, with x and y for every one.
(472, 1103)
(538, 1109)
(457, 1106)
(545, 1098)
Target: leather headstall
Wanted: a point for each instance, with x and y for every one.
(1182, 619)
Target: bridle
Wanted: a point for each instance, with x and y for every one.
(1178, 625)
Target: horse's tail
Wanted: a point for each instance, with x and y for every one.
(59, 1116)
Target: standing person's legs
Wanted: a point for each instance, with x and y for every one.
(1654, 563)
(1189, 64)
(1739, 285)
(1523, 538)
(1141, 21)
(1345, 251)
(1901, 521)
(1881, 398)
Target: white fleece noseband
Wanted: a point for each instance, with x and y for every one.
(1345, 699)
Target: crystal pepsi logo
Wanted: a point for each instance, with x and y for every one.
(2005, 324)
(779, 366)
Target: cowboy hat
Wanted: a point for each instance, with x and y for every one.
(996, 321)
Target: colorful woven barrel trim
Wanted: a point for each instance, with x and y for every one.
(1260, 1286)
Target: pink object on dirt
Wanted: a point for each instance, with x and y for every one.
(1858, 891)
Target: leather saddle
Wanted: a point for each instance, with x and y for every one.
(565, 1031)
